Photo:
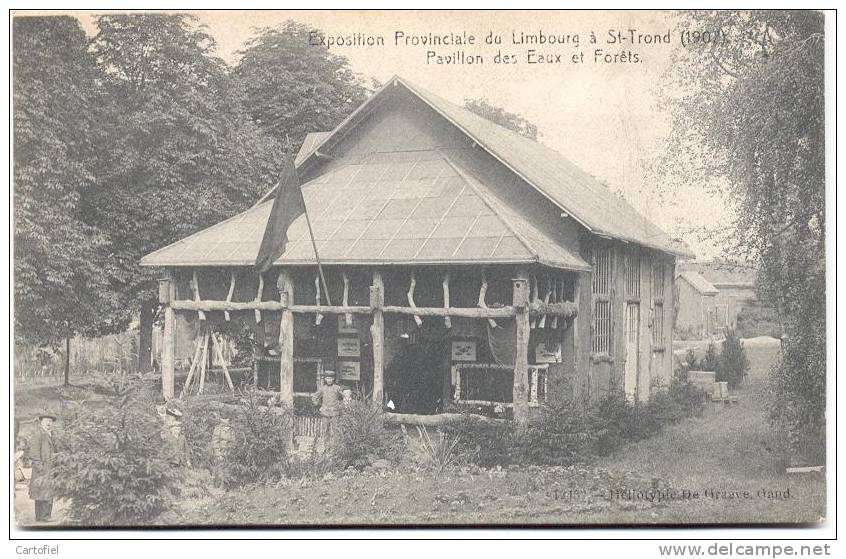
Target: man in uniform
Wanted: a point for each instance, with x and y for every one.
(41, 457)
(329, 397)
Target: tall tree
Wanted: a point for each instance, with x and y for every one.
(748, 114)
(498, 115)
(293, 88)
(63, 275)
(178, 152)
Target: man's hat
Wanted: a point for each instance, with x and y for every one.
(329, 374)
(46, 415)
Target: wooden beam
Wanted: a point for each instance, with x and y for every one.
(231, 292)
(285, 286)
(483, 289)
(520, 389)
(195, 287)
(377, 333)
(168, 288)
(346, 298)
(447, 321)
(318, 317)
(219, 352)
(440, 419)
(257, 300)
(412, 284)
(566, 309)
(195, 362)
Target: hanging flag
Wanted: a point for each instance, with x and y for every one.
(287, 206)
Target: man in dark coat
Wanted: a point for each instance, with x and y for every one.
(41, 458)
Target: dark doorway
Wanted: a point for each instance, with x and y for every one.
(415, 377)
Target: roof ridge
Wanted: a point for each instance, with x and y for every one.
(485, 200)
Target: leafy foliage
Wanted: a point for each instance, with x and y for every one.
(361, 436)
(498, 115)
(293, 88)
(111, 463)
(438, 452)
(748, 114)
(565, 433)
(733, 364)
(63, 275)
(259, 450)
(711, 360)
(483, 444)
(177, 152)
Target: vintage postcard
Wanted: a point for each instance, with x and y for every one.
(419, 268)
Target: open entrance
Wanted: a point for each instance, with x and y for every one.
(418, 369)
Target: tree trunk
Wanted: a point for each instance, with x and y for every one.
(67, 360)
(145, 336)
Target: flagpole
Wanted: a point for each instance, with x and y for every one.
(316, 256)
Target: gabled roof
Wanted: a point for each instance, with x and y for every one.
(699, 283)
(311, 141)
(575, 192)
(723, 273)
(384, 208)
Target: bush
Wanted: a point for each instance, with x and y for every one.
(112, 465)
(483, 444)
(711, 359)
(259, 449)
(733, 365)
(198, 423)
(361, 436)
(564, 433)
(436, 452)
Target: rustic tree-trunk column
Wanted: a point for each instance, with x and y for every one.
(145, 335)
(285, 285)
(520, 391)
(167, 293)
(377, 333)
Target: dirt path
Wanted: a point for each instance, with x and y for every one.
(722, 454)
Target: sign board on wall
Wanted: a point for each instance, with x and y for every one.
(349, 347)
(464, 350)
(349, 371)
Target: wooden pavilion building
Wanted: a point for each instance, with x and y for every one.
(467, 266)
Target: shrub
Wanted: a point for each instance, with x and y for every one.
(362, 436)
(259, 449)
(112, 465)
(198, 423)
(711, 359)
(733, 365)
(483, 444)
(438, 453)
(564, 433)
(689, 397)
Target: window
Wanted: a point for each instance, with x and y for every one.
(601, 292)
(633, 276)
(658, 304)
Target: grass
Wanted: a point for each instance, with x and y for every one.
(728, 450)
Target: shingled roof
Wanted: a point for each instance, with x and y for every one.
(385, 208)
(576, 192)
(421, 208)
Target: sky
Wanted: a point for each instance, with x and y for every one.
(603, 116)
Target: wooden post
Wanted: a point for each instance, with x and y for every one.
(520, 392)
(377, 333)
(285, 285)
(167, 293)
